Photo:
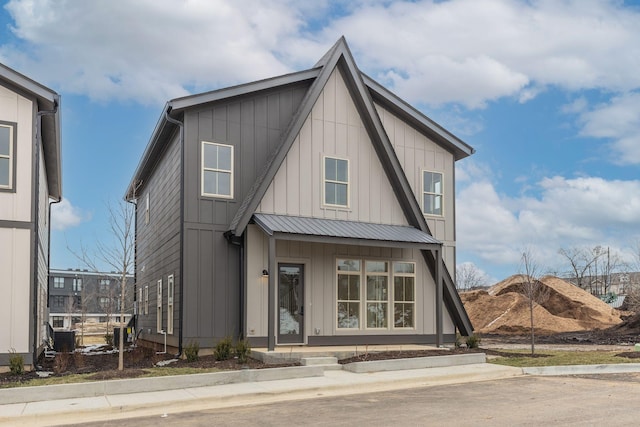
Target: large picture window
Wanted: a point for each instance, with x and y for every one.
(217, 170)
(7, 155)
(373, 294)
(349, 273)
(336, 182)
(432, 193)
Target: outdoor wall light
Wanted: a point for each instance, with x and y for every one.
(265, 273)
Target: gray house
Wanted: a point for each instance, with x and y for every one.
(314, 208)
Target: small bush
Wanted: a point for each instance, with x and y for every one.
(473, 341)
(191, 351)
(108, 339)
(242, 351)
(458, 342)
(16, 363)
(223, 349)
(61, 363)
(79, 360)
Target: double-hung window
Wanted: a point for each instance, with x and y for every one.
(77, 285)
(159, 307)
(404, 282)
(170, 304)
(58, 282)
(349, 273)
(336, 182)
(217, 170)
(432, 193)
(146, 299)
(7, 155)
(377, 293)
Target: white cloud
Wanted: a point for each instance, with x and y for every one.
(466, 51)
(64, 215)
(565, 212)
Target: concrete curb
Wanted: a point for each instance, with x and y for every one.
(415, 363)
(140, 385)
(582, 369)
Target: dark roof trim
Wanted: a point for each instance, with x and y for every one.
(322, 230)
(398, 106)
(216, 95)
(47, 101)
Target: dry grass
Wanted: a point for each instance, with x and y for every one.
(561, 358)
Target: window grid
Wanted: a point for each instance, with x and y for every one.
(432, 193)
(159, 307)
(336, 182)
(348, 294)
(217, 170)
(58, 282)
(6, 156)
(404, 278)
(377, 302)
(170, 304)
(77, 285)
(146, 299)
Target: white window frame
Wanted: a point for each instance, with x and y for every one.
(170, 291)
(58, 282)
(428, 192)
(326, 181)
(10, 156)
(147, 209)
(368, 301)
(203, 169)
(403, 301)
(77, 284)
(159, 307)
(146, 299)
(357, 273)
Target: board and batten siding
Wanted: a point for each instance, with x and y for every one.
(320, 285)
(334, 128)
(253, 125)
(17, 227)
(158, 242)
(416, 154)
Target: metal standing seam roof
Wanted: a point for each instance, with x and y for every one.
(342, 229)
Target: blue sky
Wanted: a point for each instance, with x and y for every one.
(548, 92)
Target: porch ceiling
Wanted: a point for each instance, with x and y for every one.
(344, 232)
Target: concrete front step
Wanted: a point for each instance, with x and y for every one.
(325, 360)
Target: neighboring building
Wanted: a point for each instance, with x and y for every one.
(30, 179)
(82, 295)
(311, 208)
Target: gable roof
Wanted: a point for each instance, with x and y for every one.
(46, 101)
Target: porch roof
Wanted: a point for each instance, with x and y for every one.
(341, 231)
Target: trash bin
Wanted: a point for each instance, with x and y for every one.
(64, 341)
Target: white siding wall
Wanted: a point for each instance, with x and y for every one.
(334, 129)
(417, 153)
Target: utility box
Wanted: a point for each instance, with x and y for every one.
(64, 341)
(116, 336)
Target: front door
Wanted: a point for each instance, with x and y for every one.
(291, 303)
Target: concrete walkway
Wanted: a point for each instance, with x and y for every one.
(188, 395)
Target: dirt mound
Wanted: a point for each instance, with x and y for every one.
(503, 309)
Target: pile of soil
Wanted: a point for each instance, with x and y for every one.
(102, 364)
(503, 309)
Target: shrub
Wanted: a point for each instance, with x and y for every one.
(458, 342)
(473, 341)
(191, 351)
(61, 363)
(16, 363)
(108, 339)
(243, 349)
(223, 349)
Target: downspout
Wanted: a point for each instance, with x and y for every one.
(49, 251)
(181, 305)
(36, 231)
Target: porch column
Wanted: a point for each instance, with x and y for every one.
(439, 333)
(271, 295)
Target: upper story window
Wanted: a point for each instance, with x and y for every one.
(77, 285)
(217, 170)
(336, 182)
(146, 208)
(432, 193)
(58, 282)
(104, 284)
(7, 156)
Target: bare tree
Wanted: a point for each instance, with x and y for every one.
(536, 292)
(118, 254)
(580, 261)
(468, 277)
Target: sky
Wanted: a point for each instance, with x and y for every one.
(546, 91)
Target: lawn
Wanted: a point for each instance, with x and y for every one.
(561, 358)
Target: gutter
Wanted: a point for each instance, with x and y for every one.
(181, 305)
(36, 232)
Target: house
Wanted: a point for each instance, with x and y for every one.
(312, 208)
(30, 179)
(77, 296)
